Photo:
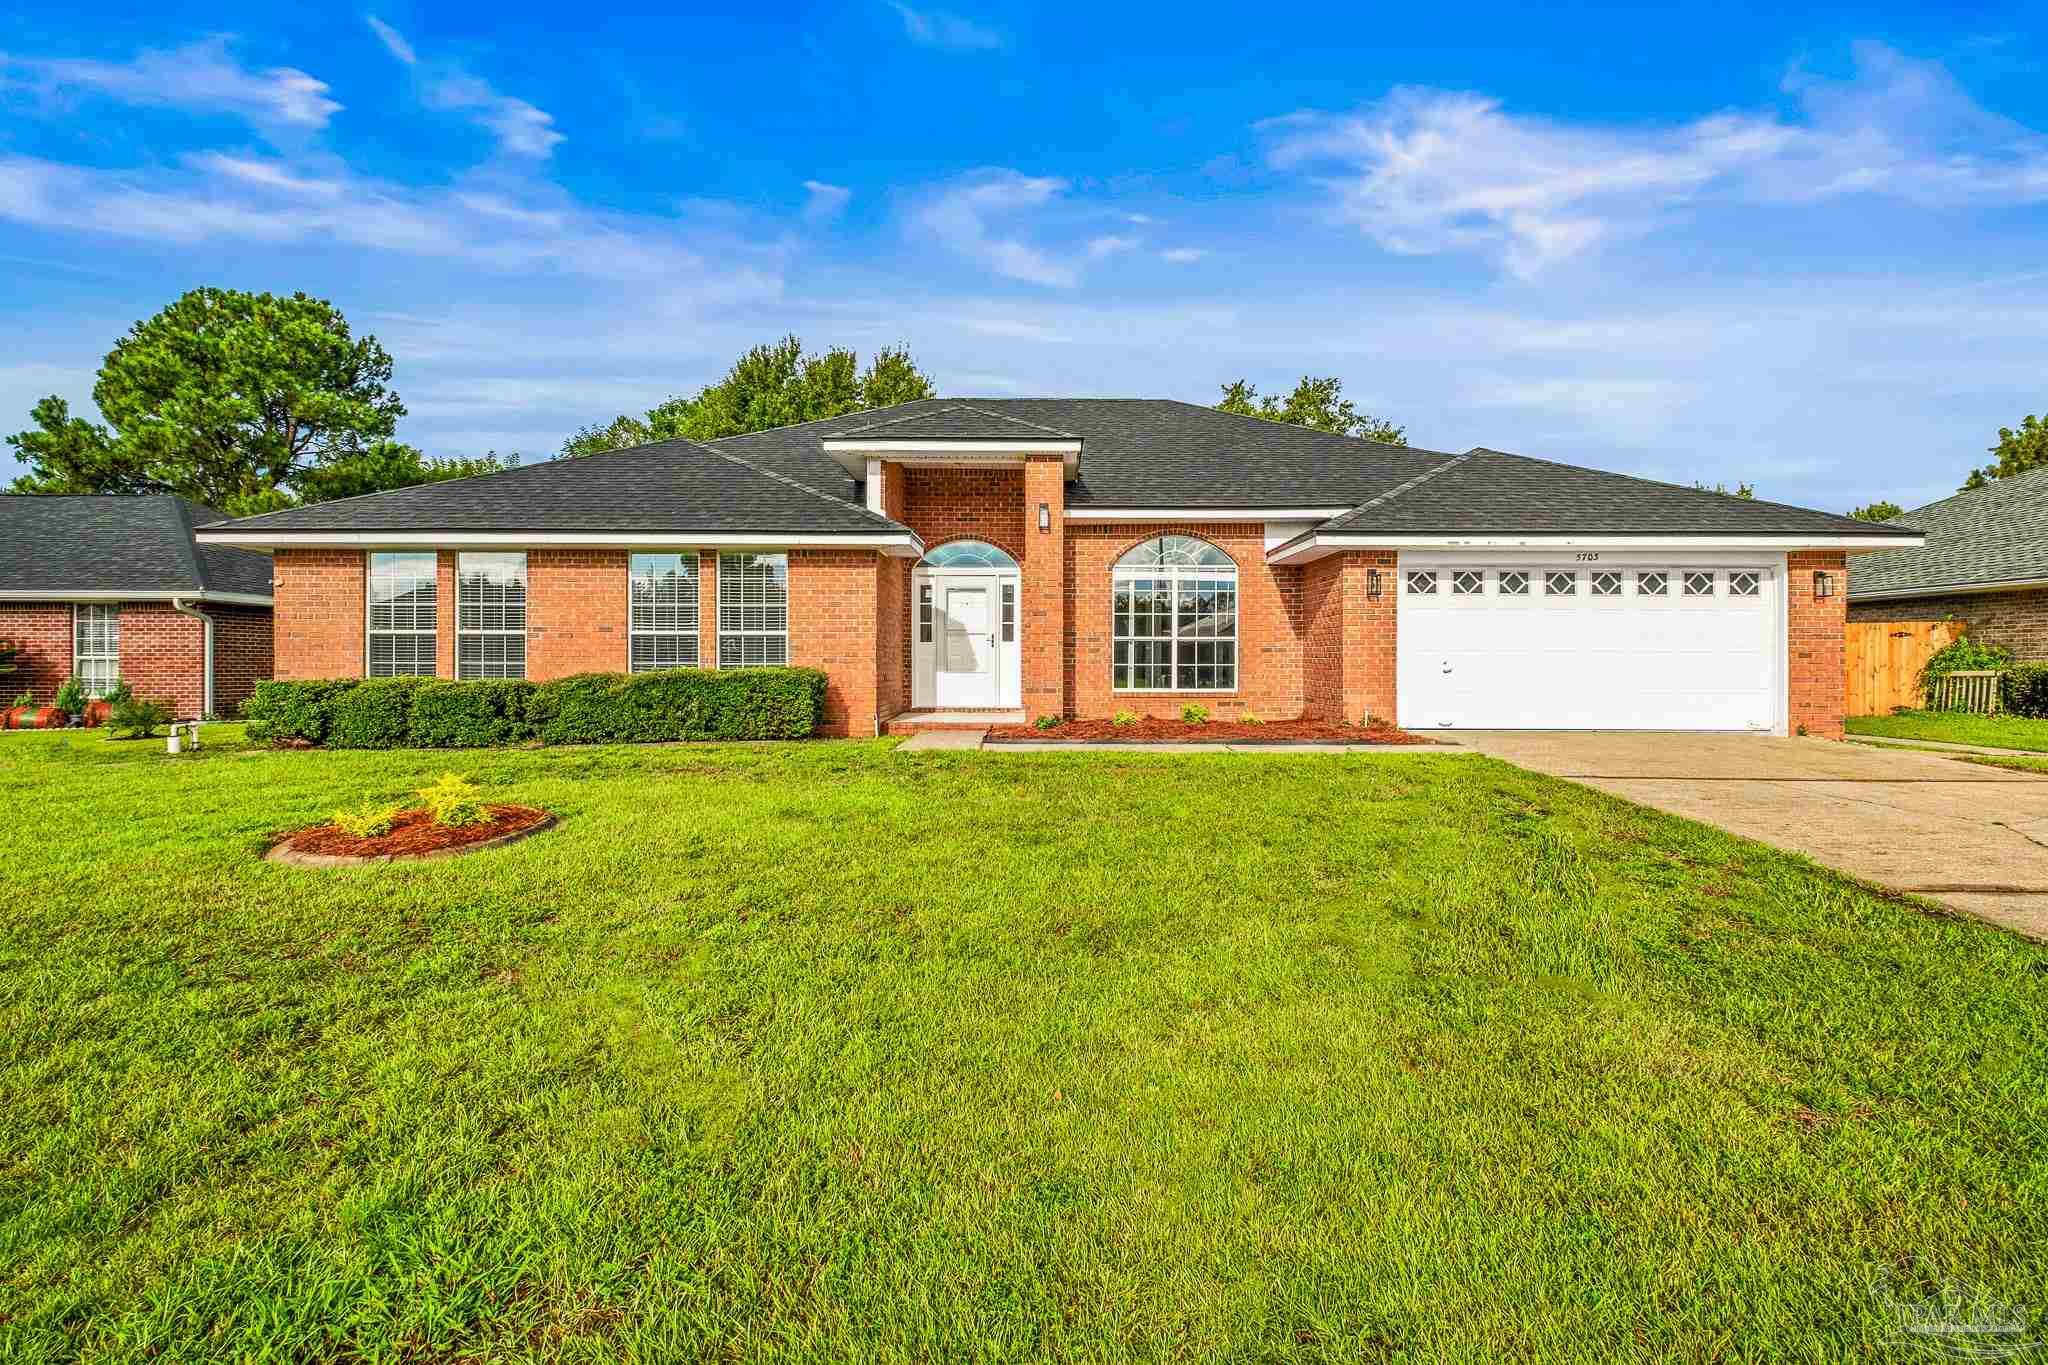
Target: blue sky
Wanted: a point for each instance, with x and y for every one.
(1800, 250)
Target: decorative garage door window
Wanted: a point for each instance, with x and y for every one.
(753, 610)
(490, 615)
(96, 647)
(405, 615)
(1560, 583)
(1422, 581)
(1653, 583)
(1742, 583)
(1468, 582)
(1606, 584)
(1174, 618)
(1513, 583)
(1699, 582)
(662, 589)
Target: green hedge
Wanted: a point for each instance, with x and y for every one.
(589, 708)
(2024, 691)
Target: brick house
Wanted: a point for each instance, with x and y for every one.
(944, 559)
(102, 588)
(1985, 563)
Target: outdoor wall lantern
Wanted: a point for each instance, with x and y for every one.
(1045, 516)
(1823, 584)
(1372, 584)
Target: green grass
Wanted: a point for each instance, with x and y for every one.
(1955, 727)
(827, 1052)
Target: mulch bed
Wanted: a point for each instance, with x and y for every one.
(415, 835)
(1161, 730)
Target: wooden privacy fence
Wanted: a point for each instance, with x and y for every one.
(1884, 659)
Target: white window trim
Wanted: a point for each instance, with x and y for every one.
(526, 593)
(696, 630)
(718, 650)
(1174, 573)
(370, 631)
(113, 613)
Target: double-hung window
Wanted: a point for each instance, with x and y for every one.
(96, 647)
(753, 610)
(663, 629)
(490, 615)
(1174, 618)
(404, 615)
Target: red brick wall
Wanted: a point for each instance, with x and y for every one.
(1269, 667)
(1348, 640)
(241, 653)
(893, 679)
(2017, 620)
(320, 605)
(163, 656)
(42, 631)
(575, 612)
(1044, 611)
(1818, 682)
(832, 613)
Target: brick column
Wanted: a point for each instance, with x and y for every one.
(1817, 679)
(1349, 640)
(707, 608)
(1043, 612)
(444, 613)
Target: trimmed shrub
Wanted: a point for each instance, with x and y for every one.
(455, 800)
(374, 714)
(1194, 713)
(286, 711)
(2023, 691)
(371, 822)
(138, 719)
(478, 714)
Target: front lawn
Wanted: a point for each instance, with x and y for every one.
(828, 1052)
(1955, 727)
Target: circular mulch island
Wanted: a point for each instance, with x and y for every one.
(413, 836)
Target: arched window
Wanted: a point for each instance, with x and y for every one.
(968, 554)
(1174, 618)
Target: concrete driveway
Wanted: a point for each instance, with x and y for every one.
(1971, 837)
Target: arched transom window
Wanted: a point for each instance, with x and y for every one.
(968, 554)
(1174, 626)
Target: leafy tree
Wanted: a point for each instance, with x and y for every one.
(1877, 511)
(770, 386)
(1741, 490)
(232, 399)
(2018, 451)
(1316, 403)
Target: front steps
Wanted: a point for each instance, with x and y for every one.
(932, 718)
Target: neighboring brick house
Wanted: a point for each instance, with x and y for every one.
(115, 587)
(1985, 563)
(945, 560)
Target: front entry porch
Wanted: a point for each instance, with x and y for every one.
(964, 644)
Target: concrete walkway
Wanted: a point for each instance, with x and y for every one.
(1969, 836)
(1948, 745)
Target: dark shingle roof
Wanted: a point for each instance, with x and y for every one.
(957, 422)
(1994, 534)
(1490, 491)
(95, 543)
(1139, 452)
(669, 486)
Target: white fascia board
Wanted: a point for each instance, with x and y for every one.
(1949, 589)
(238, 599)
(1316, 546)
(1092, 513)
(895, 544)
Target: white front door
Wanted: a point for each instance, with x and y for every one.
(965, 639)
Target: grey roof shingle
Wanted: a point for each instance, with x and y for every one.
(1488, 491)
(105, 543)
(957, 422)
(669, 486)
(1989, 535)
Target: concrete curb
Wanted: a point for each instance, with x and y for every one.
(1948, 746)
(281, 852)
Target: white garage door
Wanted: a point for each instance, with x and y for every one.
(1613, 643)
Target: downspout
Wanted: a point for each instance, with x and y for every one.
(179, 605)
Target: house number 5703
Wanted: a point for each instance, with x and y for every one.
(1586, 556)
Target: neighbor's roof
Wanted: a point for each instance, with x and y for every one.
(1978, 539)
(95, 543)
(1488, 491)
(668, 486)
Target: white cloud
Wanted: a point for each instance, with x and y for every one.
(1100, 247)
(826, 202)
(959, 218)
(1182, 255)
(394, 41)
(201, 77)
(939, 28)
(1425, 170)
(267, 174)
(521, 128)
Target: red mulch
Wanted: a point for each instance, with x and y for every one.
(1160, 730)
(414, 832)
